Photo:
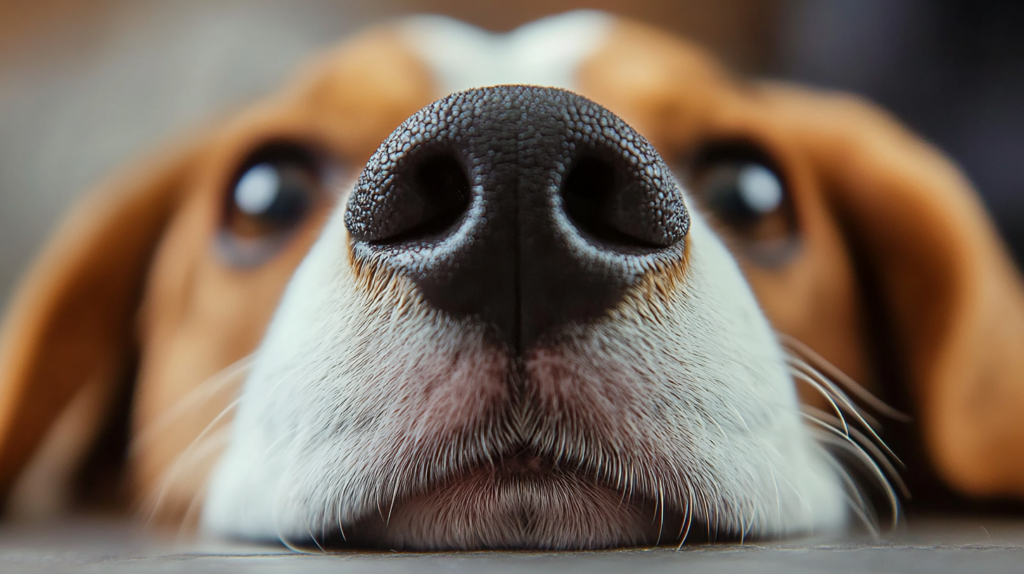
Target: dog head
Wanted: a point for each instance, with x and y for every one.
(532, 317)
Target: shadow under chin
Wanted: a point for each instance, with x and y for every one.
(520, 503)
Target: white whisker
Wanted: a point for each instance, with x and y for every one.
(824, 394)
(851, 487)
(200, 394)
(834, 373)
(204, 445)
(689, 520)
(851, 408)
(850, 445)
(865, 442)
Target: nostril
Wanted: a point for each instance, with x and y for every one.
(424, 199)
(585, 196)
(610, 203)
(443, 187)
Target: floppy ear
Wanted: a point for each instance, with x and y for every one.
(71, 323)
(948, 286)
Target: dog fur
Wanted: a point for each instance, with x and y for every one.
(367, 415)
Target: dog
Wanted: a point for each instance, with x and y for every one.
(592, 291)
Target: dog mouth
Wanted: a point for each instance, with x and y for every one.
(497, 450)
(521, 501)
(528, 492)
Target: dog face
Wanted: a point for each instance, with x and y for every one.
(540, 352)
(526, 320)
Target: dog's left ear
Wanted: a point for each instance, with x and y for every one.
(952, 294)
(71, 323)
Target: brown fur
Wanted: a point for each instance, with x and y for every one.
(133, 267)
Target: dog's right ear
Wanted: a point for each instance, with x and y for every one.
(71, 324)
(952, 297)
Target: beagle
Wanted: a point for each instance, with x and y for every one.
(592, 291)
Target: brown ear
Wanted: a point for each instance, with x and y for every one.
(949, 286)
(71, 323)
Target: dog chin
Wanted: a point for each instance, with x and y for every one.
(522, 502)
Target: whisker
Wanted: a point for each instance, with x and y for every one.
(826, 395)
(854, 499)
(341, 528)
(394, 497)
(836, 393)
(661, 512)
(870, 430)
(315, 541)
(865, 442)
(810, 355)
(198, 395)
(689, 519)
(848, 481)
(210, 444)
(851, 446)
(194, 506)
(746, 528)
(797, 365)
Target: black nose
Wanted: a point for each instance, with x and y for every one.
(528, 208)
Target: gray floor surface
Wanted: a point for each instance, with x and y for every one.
(930, 546)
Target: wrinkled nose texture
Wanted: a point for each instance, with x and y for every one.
(528, 208)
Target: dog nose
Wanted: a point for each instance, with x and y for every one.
(528, 208)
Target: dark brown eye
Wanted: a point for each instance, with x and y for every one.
(274, 192)
(746, 197)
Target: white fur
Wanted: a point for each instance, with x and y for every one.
(725, 425)
(362, 396)
(543, 53)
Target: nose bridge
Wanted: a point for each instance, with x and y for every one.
(563, 208)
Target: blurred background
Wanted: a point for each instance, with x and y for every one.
(86, 86)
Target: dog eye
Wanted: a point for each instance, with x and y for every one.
(747, 201)
(274, 193)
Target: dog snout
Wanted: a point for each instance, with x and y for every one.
(528, 208)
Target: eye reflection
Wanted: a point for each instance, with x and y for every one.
(760, 189)
(747, 201)
(257, 189)
(277, 190)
